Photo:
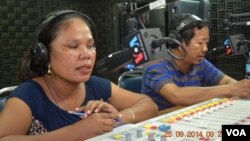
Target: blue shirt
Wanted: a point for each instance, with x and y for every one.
(166, 71)
(46, 115)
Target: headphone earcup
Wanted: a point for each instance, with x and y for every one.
(40, 57)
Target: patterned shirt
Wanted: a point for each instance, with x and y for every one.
(45, 114)
(166, 71)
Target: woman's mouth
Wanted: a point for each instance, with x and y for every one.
(84, 69)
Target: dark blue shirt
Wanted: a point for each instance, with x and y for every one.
(166, 71)
(46, 115)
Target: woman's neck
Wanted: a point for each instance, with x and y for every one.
(65, 95)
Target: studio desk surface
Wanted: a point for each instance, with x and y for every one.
(199, 122)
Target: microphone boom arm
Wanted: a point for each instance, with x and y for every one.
(164, 40)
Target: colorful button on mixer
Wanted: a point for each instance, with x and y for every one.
(179, 115)
(192, 111)
(199, 108)
(164, 120)
(117, 136)
(186, 113)
(215, 102)
(170, 120)
(164, 127)
(147, 126)
(153, 127)
(204, 106)
(209, 104)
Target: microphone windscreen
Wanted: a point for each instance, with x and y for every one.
(215, 53)
(113, 61)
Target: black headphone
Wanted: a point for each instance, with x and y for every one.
(183, 26)
(39, 52)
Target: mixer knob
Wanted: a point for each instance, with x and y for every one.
(163, 138)
(151, 136)
(128, 137)
(139, 133)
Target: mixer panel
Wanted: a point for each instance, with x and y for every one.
(202, 122)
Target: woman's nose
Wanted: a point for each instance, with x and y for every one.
(85, 53)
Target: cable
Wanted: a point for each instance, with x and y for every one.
(141, 23)
(164, 40)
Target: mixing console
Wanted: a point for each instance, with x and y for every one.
(199, 122)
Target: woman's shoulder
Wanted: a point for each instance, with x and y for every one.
(29, 84)
(27, 87)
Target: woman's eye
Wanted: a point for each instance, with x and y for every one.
(73, 46)
(92, 47)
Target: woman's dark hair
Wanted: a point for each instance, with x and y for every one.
(45, 34)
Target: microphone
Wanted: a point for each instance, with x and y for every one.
(228, 23)
(137, 50)
(171, 43)
(235, 45)
(141, 47)
(113, 61)
(139, 44)
(215, 53)
(232, 45)
(243, 42)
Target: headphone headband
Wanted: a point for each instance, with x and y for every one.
(50, 17)
(184, 24)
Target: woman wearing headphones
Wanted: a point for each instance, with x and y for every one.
(59, 99)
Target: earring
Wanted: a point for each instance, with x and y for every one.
(49, 71)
